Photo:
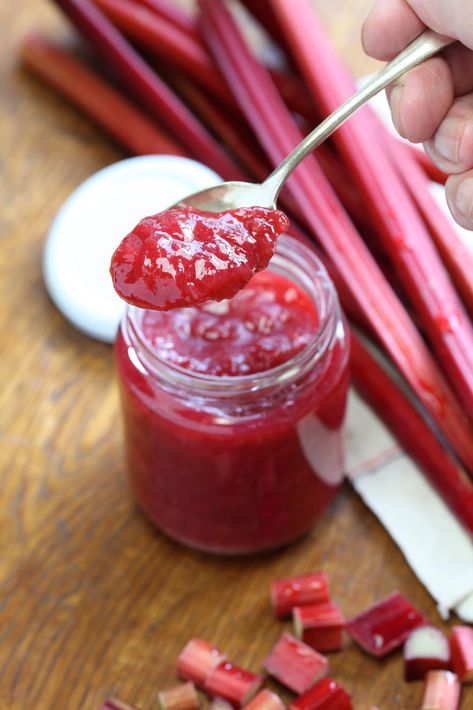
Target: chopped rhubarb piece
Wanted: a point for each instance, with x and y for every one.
(385, 625)
(220, 704)
(232, 683)
(180, 697)
(115, 704)
(426, 649)
(265, 700)
(298, 591)
(441, 691)
(197, 659)
(327, 694)
(320, 626)
(461, 644)
(294, 664)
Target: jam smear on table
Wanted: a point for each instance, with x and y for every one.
(184, 256)
(267, 323)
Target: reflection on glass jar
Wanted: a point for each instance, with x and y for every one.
(238, 463)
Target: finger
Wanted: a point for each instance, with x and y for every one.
(460, 59)
(421, 98)
(453, 18)
(459, 191)
(451, 148)
(389, 27)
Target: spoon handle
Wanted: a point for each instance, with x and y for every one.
(423, 47)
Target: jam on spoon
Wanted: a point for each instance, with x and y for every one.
(185, 256)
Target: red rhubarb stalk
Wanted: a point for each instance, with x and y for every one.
(115, 704)
(232, 683)
(320, 626)
(302, 589)
(403, 233)
(266, 700)
(97, 99)
(294, 664)
(431, 170)
(327, 694)
(220, 704)
(415, 436)
(197, 659)
(426, 649)
(172, 12)
(146, 86)
(278, 135)
(385, 626)
(441, 691)
(181, 697)
(456, 256)
(461, 644)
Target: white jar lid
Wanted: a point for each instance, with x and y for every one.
(92, 222)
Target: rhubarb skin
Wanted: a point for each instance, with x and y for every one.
(265, 700)
(327, 694)
(303, 589)
(461, 645)
(197, 659)
(220, 704)
(320, 626)
(115, 704)
(180, 697)
(441, 691)
(234, 684)
(385, 626)
(426, 649)
(295, 664)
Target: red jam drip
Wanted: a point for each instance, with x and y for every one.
(185, 256)
(264, 325)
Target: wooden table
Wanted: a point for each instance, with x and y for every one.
(93, 602)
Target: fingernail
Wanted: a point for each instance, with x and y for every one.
(448, 138)
(464, 198)
(395, 97)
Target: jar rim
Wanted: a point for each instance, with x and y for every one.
(315, 281)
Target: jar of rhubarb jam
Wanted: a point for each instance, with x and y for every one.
(234, 410)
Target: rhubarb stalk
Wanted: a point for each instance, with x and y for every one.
(403, 234)
(320, 626)
(181, 697)
(461, 644)
(232, 683)
(265, 700)
(146, 86)
(300, 590)
(426, 649)
(441, 691)
(97, 99)
(295, 664)
(278, 134)
(197, 659)
(324, 695)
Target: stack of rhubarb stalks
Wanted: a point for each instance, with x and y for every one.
(193, 86)
(297, 662)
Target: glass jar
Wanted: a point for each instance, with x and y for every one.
(246, 463)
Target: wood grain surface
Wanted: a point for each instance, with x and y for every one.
(93, 601)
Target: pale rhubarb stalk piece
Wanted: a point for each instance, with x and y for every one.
(115, 704)
(220, 704)
(298, 591)
(426, 649)
(197, 659)
(320, 626)
(327, 694)
(180, 697)
(441, 691)
(461, 644)
(385, 626)
(232, 683)
(265, 700)
(295, 664)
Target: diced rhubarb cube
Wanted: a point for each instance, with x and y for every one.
(265, 700)
(426, 649)
(327, 694)
(180, 697)
(196, 660)
(385, 625)
(320, 626)
(220, 704)
(115, 704)
(461, 645)
(441, 691)
(294, 664)
(297, 591)
(232, 683)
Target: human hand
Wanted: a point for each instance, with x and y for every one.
(433, 103)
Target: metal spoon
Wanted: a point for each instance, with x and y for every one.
(231, 195)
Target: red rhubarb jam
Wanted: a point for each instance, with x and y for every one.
(234, 411)
(184, 256)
